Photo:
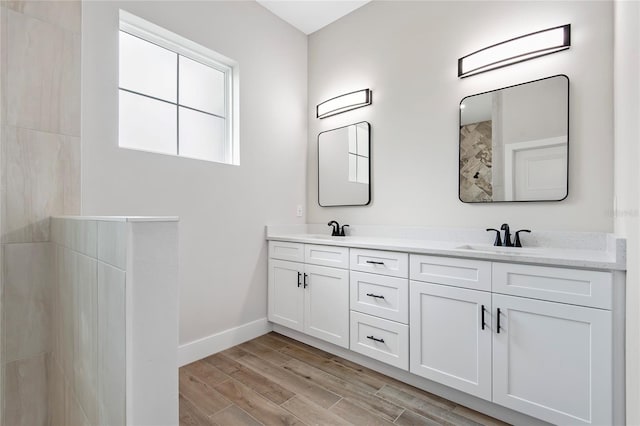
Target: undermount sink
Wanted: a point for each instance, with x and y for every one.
(498, 249)
(323, 236)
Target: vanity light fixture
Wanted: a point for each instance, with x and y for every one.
(516, 50)
(342, 103)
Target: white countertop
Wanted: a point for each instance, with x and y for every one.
(610, 255)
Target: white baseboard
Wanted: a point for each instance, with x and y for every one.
(202, 348)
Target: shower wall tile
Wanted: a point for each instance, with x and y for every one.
(111, 345)
(71, 175)
(112, 243)
(35, 179)
(77, 235)
(66, 14)
(43, 76)
(27, 273)
(25, 391)
(56, 395)
(85, 354)
(65, 336)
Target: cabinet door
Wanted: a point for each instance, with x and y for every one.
(286, 293)
(553, 361)
(448, 342)
(326, 304)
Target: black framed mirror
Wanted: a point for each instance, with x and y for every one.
(344, 166)
(514, 143)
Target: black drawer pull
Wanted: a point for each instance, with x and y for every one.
(306, 284)
(375, 295)
(482, 315)
(299, 276)
(498, 328)
(373, 262)
(375, 339)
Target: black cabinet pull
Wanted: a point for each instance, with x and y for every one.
(305, 281)
(498, 328)
(299, 276)
(373, 262)
(375, 295)
(374, 339)
(482, 316)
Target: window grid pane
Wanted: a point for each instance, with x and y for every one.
(201, 87)
(198, 97)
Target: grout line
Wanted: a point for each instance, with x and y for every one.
(49, 132)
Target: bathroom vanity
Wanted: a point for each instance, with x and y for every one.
(537, 330)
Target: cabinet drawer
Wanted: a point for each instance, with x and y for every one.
(380, 262)
(286, 251)
(385, 297)
(384, 340)
(467, 273)
(337, 257)
(574, 286)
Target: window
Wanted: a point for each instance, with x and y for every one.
(175, 96)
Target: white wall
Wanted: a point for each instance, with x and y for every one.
(627, 157)
(407, 52)
(223, 209)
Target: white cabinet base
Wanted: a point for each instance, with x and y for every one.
(381, 339)
(553, 361)
(449, 344)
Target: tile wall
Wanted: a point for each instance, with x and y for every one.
(39, 177)
(87, 365)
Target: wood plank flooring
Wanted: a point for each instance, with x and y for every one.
(275, 380)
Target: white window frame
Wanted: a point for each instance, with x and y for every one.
(162, 37)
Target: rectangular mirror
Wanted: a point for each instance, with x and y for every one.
(344, 166)
(514, 143)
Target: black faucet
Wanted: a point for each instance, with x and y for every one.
(507, 235)
(498, 241)
(335, 231)
(518, 243)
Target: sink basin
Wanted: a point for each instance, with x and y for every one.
(322, 237)
(499, 249)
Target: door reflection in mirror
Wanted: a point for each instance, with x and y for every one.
(514, 143)
(344, 166)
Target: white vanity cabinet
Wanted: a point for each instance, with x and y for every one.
(547, 358)
(538, 336)
(380, 305)
(450, 343)
(304, 295)
(553, 361)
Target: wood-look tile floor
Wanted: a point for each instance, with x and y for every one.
(274, 380)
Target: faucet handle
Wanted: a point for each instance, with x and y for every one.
(335, 228)
(498, 240)
(342, 234)
(518, 243)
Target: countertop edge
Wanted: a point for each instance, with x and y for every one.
(612, 265)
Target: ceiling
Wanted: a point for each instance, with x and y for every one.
(310, 15)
